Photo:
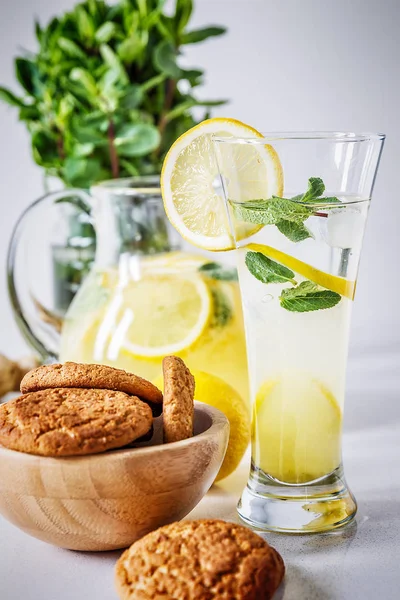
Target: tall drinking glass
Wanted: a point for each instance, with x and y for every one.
(298, 256)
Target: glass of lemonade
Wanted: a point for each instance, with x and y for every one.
(298, 254)
(145, 297)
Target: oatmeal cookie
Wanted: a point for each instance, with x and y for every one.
(72, 421)
(199, 560)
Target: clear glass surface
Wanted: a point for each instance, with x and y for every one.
(298, 255)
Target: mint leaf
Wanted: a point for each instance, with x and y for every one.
(287, 214)
(307, 297)
(316, 188)
(222, 312)
(266, 270)
(295, 232)
(323, 200)
(219, 272)
(271, 211)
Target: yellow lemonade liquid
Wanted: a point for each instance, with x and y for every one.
(130, 317)
(297, 378)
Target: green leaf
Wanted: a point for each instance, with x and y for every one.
(307, 297)
(71, 49)
(27, 74)
(105, 32)
(153, 82)
(142, 6)
(88, 135)
(10, 98)
(107, 83)
(77, 202)
(210, 102)
(129, 167)
(199, 35)
(132, 97)
(137, 139)
(166, 28)
(164, 59)
(96, 6)
(219, 272)
(316, 188)
(270, 212)
(95, 119)
(131, 48)
(266, 270)
(66, 106)
(295, 232)
(183, 12)
(194, 76)
(113, 12)
(81, 172)
(323, 200)
(85, 23)
(38, 31)
(179, 110)
(80, 150)
(222, 309)
(112, 60)
(29, 113)
(44, 147)
(86, 79)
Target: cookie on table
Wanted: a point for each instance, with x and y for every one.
(72, 421)
(178, 406)
(77, 375)
(199, 560)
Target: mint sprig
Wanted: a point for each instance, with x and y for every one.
(219, 272)
(266, 270)
(288, 214)
(308, 296)
(271, 211)
(222, 310)
(305, 297)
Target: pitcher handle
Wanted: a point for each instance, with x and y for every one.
(44, 338)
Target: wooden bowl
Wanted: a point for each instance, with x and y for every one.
(107, 501)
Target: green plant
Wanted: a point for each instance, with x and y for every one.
(104, 96)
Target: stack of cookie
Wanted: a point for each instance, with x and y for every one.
(77, 409)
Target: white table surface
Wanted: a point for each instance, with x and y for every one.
(359, 562)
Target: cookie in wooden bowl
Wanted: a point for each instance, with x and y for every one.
(178, 408)
(78, 375)
(72, 421)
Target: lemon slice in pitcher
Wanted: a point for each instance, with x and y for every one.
(190, 183)
(163, 314)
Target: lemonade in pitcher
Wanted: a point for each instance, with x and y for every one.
(143, 300)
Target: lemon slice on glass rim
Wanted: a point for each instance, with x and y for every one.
(190, 177)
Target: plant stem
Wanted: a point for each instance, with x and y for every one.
(113, 153)
(169, 97)
(60, 148)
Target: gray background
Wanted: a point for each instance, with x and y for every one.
(289, 65)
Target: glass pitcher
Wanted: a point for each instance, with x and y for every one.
(144, 297)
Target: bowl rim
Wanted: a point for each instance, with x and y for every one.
(219, 421)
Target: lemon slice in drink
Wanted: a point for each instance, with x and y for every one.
(297, 424)
(192, 201)
(340, 285)
(163, 314)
